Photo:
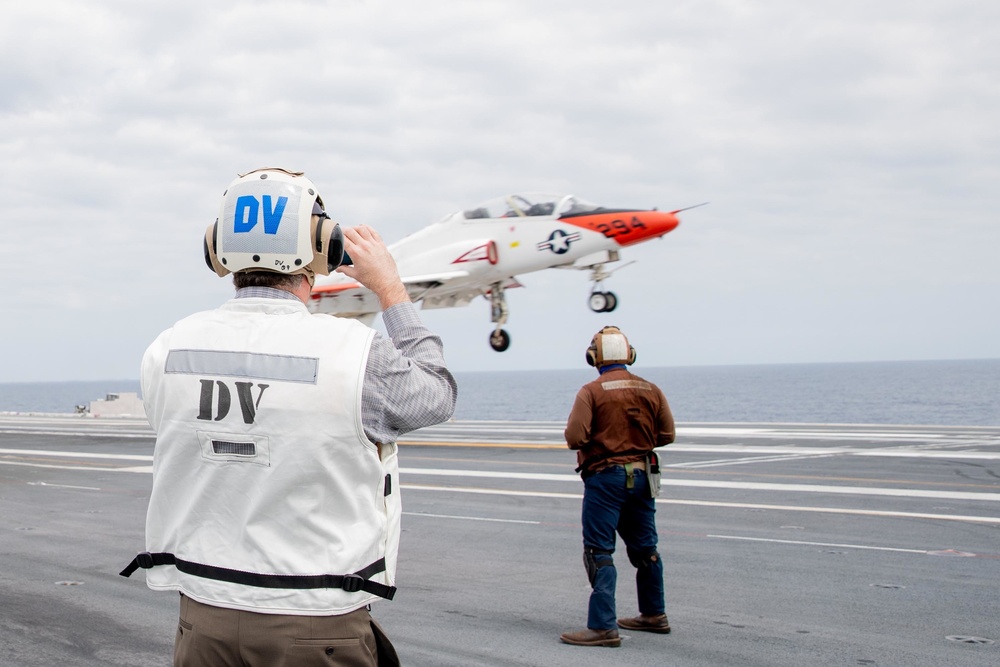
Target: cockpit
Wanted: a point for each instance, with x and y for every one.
(529, 205)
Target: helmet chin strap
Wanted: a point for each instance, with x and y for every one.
(309, 274)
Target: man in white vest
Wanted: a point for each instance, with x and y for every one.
(275, 502)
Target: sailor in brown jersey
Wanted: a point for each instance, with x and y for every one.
(616, 422)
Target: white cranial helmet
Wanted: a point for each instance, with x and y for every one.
(273, 220)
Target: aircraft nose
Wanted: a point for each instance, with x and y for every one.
(651, 224)
(627, 226)
(668, 222)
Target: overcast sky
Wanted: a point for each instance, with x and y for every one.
(850, 151)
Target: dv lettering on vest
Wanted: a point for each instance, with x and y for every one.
(244, 393)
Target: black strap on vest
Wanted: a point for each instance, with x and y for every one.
(358, 581)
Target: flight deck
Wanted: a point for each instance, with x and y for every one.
(783, 544)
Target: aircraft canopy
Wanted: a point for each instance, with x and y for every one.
(528, 205)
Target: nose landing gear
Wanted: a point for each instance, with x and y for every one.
(599, 301)
(499, 339)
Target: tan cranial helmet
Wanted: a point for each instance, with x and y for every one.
(610, 346)
(273, 220)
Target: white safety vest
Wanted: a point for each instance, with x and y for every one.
(261, 466)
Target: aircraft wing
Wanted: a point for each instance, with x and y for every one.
(344, 297)
(434, 278)
(436, 290)
(348, 298)
(453, 294)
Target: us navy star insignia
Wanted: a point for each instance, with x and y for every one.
(559, 241)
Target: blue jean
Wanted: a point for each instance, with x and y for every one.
(610, 507)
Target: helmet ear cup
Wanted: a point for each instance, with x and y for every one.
(335, 248)
(328, 245)
(592, 355)
(209, 246)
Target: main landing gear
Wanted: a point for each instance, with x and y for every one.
(499, 339)
(600, 301)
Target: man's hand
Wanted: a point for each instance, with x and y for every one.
(373, 266)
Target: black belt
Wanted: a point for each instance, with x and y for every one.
(358, 581)
(590, 461)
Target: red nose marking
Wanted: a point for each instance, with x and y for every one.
(627, 227)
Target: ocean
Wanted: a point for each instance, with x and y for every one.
(947, 393)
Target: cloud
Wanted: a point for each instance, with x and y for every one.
(849, 149)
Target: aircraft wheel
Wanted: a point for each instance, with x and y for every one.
(612, 302)
(499, 340)
(598, 302)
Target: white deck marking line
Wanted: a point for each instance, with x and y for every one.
(471, 518)
(562, 477)
(747, 459)
(893, 452)
(64, 486)
(495, 492)
(711, 484)
(703, 503)
(660, 501)
(826, 488)
(818, 544)
(838, 510)
(80, 434)
(51, 466)
(77, 455)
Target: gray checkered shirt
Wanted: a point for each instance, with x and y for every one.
(406, 384)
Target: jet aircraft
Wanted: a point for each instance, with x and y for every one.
(480, 252)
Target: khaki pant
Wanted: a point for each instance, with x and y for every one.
(210, 636)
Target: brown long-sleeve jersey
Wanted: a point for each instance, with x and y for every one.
(616, 419)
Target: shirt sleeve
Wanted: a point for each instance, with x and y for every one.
(406, 385)
(665, 423)
(577, 431)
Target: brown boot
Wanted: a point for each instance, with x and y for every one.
(590, 637)
(646, 623)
